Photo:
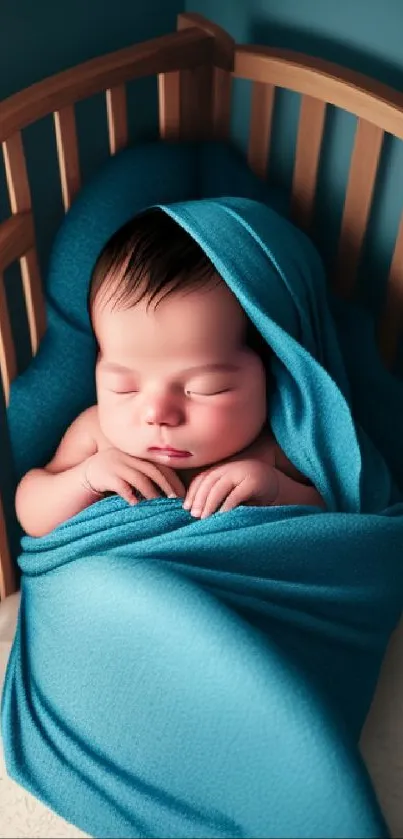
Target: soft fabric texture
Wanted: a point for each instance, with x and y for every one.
(172, 677)
(166, 678)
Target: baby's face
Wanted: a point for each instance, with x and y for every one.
(179, 378)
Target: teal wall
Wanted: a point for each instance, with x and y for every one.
(38, 39)
(364, 35)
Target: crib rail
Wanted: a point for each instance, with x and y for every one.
(190, 47)
(378, 109)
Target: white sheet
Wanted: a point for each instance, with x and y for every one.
(22, 815)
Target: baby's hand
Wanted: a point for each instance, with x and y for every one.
(112, 470)
(231, 484)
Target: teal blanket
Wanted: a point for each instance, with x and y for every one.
(172, 677)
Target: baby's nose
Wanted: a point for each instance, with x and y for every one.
(163, 412)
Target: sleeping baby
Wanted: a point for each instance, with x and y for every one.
(183, 388)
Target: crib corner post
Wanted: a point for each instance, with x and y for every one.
(205, 90)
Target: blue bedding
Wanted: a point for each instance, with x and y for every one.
(180, 678)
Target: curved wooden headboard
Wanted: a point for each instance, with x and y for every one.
(195, 67)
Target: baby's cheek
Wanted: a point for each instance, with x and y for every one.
(110, 420)
(219, 419)
(239, 421)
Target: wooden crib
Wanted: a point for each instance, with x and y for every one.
(195, 67)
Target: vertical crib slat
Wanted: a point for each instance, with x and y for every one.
(16, 174)
(8, 578)
(361, 182)
(16, 238)
(20, 200)
(169, 111)
(309, 143)
(260, 127)
(31, 280)
(116, 108)
(67, 153)
(8, 364)
(222, 82)
(392, 318)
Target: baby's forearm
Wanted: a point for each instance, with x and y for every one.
(44, 499)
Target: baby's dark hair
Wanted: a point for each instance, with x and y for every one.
(150, 254)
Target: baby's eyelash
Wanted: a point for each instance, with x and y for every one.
(124, 392)
(187, 392)
(216, 392)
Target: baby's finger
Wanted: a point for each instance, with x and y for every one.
(147, 476)
(190, 495)
(239, 494)
(174, 481)
(125, 491)
(202, 493)
(141, 482)
(164, 477)
(218, 493)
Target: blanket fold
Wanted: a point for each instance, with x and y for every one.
(180, 678)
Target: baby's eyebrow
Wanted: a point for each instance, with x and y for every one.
(209, 368)
(112, 367)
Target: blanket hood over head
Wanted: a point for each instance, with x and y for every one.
(278, 278)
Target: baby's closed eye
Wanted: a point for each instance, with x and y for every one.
(209, 387)
(190, 391)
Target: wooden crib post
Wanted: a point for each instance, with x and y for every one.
(204, 100)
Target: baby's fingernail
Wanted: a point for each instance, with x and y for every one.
(172, 495)
(195, 511)
(186, 505)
